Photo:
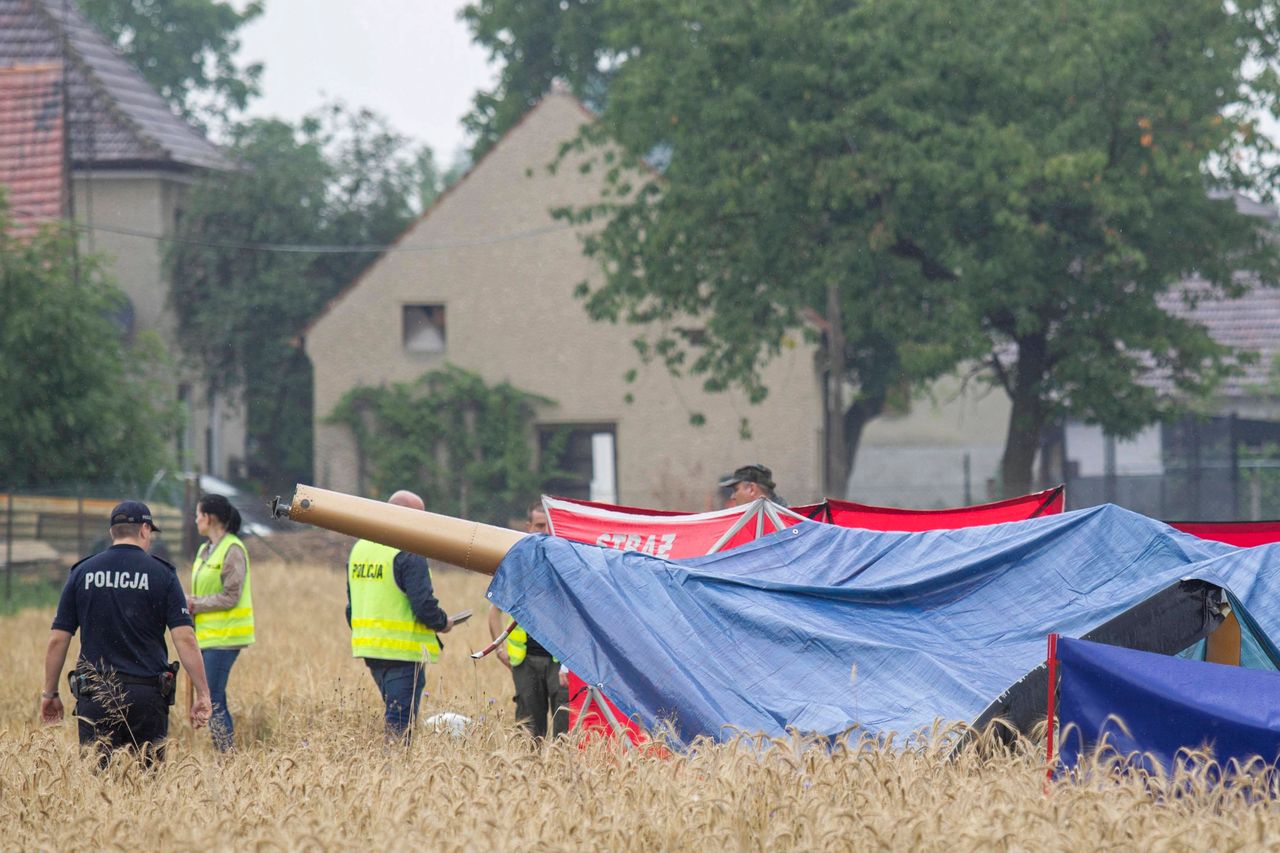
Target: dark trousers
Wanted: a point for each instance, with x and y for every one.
(113, 716)
(539, 694)
(400, 683)
(217, 669)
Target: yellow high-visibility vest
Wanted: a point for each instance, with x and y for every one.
(382, 622)
(221, 628)
(517, 645)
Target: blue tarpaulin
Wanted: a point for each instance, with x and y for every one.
(1164, 704)
(820, 628)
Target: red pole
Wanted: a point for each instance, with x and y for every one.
(1050, 710)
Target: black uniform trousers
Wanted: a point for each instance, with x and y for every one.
(539, 694)
(127, 715)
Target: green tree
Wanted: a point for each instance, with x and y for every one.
(77, 404)
(432, 181)
(1070, 195)
(762, 221)
(185, 48)
(261, 250)
(534, 42)
(467, 444)
(927, 182)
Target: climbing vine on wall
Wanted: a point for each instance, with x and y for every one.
(467, 447)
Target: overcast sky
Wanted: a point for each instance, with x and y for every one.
(410, 60)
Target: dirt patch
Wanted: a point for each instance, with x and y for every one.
(313, 546)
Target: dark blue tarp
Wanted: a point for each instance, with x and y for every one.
(819, 628)
(1165, 704)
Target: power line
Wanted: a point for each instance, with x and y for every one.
(311, 248)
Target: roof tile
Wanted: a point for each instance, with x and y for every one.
(114, 116)
(31, 145)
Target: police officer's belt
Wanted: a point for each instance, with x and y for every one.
(153, 680)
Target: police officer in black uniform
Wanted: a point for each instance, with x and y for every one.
(123, 599)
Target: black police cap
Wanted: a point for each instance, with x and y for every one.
(132, 512)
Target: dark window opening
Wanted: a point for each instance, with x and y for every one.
(423, 328)
(582, 458)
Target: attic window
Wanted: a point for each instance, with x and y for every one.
(424, 328)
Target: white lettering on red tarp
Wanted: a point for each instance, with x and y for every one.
(655, 544)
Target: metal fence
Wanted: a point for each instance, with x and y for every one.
(1215, 469)
(44, 531)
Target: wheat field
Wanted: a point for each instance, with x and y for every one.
(312, 771)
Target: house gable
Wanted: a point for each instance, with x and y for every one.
(492, 262)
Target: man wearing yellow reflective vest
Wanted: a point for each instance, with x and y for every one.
(394, 619)
(541, 684)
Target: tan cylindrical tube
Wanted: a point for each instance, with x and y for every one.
(468, 544)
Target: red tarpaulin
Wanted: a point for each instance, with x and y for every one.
(671, 537)
(629, 510)
(1242, 534)
(868, 517)
(668, 535)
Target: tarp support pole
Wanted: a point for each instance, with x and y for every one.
(731, 532)
(1050, 709)
(769, 511)
(594, 696)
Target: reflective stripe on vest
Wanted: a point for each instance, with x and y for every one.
(230, 627)
(382, 622)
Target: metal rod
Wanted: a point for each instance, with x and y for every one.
(497, 642)
(8, 548)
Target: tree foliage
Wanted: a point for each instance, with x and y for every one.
(928, 182)
(261, 250)
(465, 445)
(765, 221)
(77, 403)
(185, 48)
(534, 43)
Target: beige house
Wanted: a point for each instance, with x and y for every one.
(122, 163)
(485, 279)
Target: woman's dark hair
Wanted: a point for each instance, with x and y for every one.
(220, 508)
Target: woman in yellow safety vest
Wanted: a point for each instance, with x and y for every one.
(221, 603)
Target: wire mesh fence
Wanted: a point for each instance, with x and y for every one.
(46, 530)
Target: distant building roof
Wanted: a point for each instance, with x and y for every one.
(114, 116)
(1251, 323)
(31, 145)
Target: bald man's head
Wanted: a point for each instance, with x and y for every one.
(406, 498)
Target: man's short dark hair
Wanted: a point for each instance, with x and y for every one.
(126, 531)
(536, 506)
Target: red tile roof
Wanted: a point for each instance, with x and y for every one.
(31, 145)
(114, 116)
